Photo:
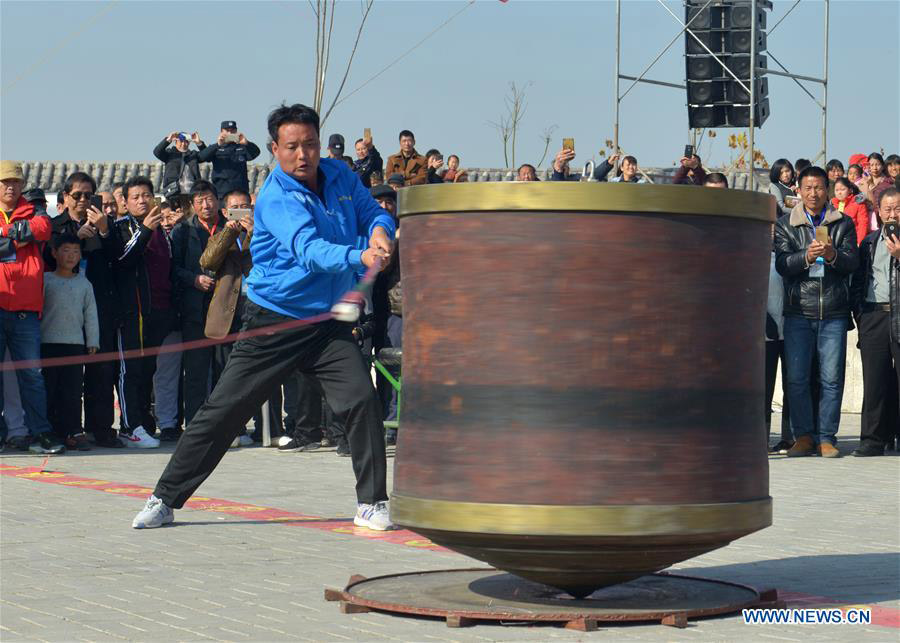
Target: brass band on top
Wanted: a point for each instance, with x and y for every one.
(580, 520)
(594, 197)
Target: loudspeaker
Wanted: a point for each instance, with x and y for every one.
(701, 17)
(739, 115)
(737, 94)
(740, 16)
(707, 116)
(703, 68)
(738, 42)
(714, 40)
(706, 91)
(741, 66)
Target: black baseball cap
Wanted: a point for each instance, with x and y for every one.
(396, 178)
(383, 191)
(35, 195)
(336, 143)
(228, 125)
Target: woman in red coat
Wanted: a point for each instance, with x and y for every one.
(845, 200)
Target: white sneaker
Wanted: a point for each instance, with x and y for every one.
(246, 440)
(375, 516)
(139, 440)
(155, 513)
(284, 440)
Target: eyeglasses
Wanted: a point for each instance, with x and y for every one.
(77, 196)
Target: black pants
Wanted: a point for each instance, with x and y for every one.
(63, 384)
(881, 370)
(100, 380)
(128, 337)
(202, 368)
(157, 324)
(309, 409)
(256, 366)
(774, 353)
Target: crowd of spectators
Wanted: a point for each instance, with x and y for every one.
(123, 271)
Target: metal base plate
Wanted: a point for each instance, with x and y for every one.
(466, 596)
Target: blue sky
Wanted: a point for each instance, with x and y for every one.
(109, 86)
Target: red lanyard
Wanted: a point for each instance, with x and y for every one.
(211, 232)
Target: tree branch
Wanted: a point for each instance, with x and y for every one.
(362, 23)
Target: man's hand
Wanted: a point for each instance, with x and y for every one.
(562, 159)
(195, 137)
(380, 241)
(234, 225)
(893, 245)
(817, 249)
(368, 143)
(97, 219)
(613, 158)
(86, 231)
(247, 224)
(204, 283)
(220, 139)
(242, 139)
(371, 255)
(153, 218)
(435, 163)
(171, 137)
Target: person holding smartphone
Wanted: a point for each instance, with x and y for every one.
(690, 170)
(182, 168)
(229, 155)
(815, 253)
(83, 217)
(876, 308)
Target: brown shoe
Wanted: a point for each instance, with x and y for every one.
(802, 447)
(827, 450)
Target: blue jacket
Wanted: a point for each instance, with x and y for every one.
(305, 253)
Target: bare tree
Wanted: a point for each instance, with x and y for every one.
(503, 128)
(508, 125)
(547, 136)
(324, 11)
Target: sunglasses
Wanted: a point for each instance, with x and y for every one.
(78, 196)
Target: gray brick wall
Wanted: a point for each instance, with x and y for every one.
(50, 175)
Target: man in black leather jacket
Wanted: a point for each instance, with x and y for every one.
(816, 309)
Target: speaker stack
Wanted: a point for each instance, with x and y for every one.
(725, 28)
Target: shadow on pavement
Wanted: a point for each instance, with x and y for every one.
(854, 578)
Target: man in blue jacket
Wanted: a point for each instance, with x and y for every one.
(308, 218)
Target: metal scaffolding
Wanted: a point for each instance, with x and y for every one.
(751, 90)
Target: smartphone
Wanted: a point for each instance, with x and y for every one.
(236, 214)
(569, 144)
(892, 230)
(231, 138)
(688, 151)
(791, 201)
(367, 134)
(97, 202)
(822, 234)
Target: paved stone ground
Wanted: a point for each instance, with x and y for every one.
(73, 569)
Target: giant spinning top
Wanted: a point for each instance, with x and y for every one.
(583, 375)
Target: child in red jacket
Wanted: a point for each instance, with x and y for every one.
(845, 200)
